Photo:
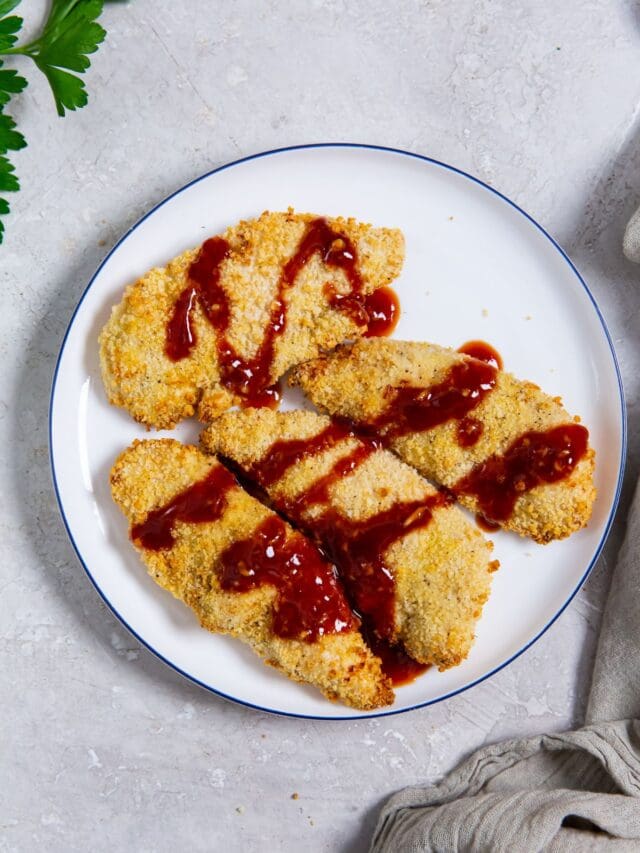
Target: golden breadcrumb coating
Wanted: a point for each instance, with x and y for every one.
(442, 571)
(159, 392)
(352, 380)
(148, 475)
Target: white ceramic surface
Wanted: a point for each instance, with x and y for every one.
(476, 267)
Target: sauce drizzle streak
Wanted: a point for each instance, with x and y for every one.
(396, 663)
(358, 548)
(309, 603)
(383, 309)
(532, 459)
(483, 352)
(468, 431)
(413, 409)
(486, 525)
(286, 453)
(204, 501)
(250, 378)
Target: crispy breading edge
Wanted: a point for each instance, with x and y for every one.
(150, 473)
(351, 381)
(159, 393)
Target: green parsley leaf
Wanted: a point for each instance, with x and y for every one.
(8, 180)
(7, 6)
(65, 12)
(4, 209)
(10, 139)
(8, 29)
(8, 183)
(10, 84)
(70, 33)
(68, 90)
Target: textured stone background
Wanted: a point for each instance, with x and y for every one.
(103, 747)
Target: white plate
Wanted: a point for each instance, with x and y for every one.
(476, 267)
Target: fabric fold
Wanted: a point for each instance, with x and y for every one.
(577, 790)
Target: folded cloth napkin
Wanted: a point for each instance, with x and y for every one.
(577, 791)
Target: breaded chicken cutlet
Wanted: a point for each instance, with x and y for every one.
(507, 450)
(221, 323)
(413, 565)
(244, 571)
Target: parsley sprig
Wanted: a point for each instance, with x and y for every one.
(69, 35)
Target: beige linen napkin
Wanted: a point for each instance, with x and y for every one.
(577, 791)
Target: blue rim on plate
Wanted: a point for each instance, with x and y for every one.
(623, 412)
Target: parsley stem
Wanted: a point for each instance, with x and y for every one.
(24, 49)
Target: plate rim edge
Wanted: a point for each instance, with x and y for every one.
(623, 444)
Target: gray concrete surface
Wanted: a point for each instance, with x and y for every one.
(102, 746)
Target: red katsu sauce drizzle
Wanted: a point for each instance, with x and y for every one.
(383, 308)
(396, 663)
(468, 431)
(204, 275)
(181, 333)
(412, 409)
(358, 548)
(282, 455)
(532, 459)
(310, 602)
(203, 501)
(486, 525)
(250, 378)
(483, 352)
(318, 492)
(417, 409)
(335, 249)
